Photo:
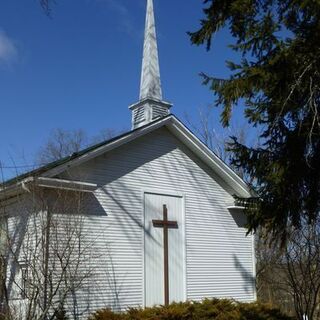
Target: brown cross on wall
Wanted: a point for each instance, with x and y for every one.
(165, 224)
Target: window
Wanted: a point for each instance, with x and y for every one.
(24, 277)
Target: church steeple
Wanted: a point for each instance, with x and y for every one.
(150, 106)
(150, 86)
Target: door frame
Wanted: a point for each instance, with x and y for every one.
(169, 193)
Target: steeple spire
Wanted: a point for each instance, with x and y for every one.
(150, 86)
(150, 106)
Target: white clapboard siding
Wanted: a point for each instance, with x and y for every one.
(219, 256)
(17, 226)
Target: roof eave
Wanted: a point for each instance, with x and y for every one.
(42, 182)
(112, 145)
(240, 188)
(210, 158)
(186, 136)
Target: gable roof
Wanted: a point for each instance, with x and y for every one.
(41, 170)
(174, 125)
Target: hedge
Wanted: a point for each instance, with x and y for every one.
(209, 309)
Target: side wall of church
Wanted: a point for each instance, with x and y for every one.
(17, 241)
(219, 256)
(24, 230)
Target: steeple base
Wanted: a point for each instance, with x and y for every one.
(148, 110)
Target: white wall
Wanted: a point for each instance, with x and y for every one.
(219, 255)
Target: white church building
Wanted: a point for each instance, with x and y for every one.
(159, 221)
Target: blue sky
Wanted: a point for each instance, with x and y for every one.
(81, 67)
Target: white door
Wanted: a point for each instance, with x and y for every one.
(154, 250)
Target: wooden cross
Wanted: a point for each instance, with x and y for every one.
(165, 224)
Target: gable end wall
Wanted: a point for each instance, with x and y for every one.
(219, 257)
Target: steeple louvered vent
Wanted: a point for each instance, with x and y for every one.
(159, 111)
(139, 115)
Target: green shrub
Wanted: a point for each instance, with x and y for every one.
(106, 314)
(209, 309)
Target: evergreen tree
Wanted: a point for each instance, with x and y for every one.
(277, 85)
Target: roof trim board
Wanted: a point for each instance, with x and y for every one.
(175, 126)
(24, 185)
(184, 135)
(210, 158)
(108, 147)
